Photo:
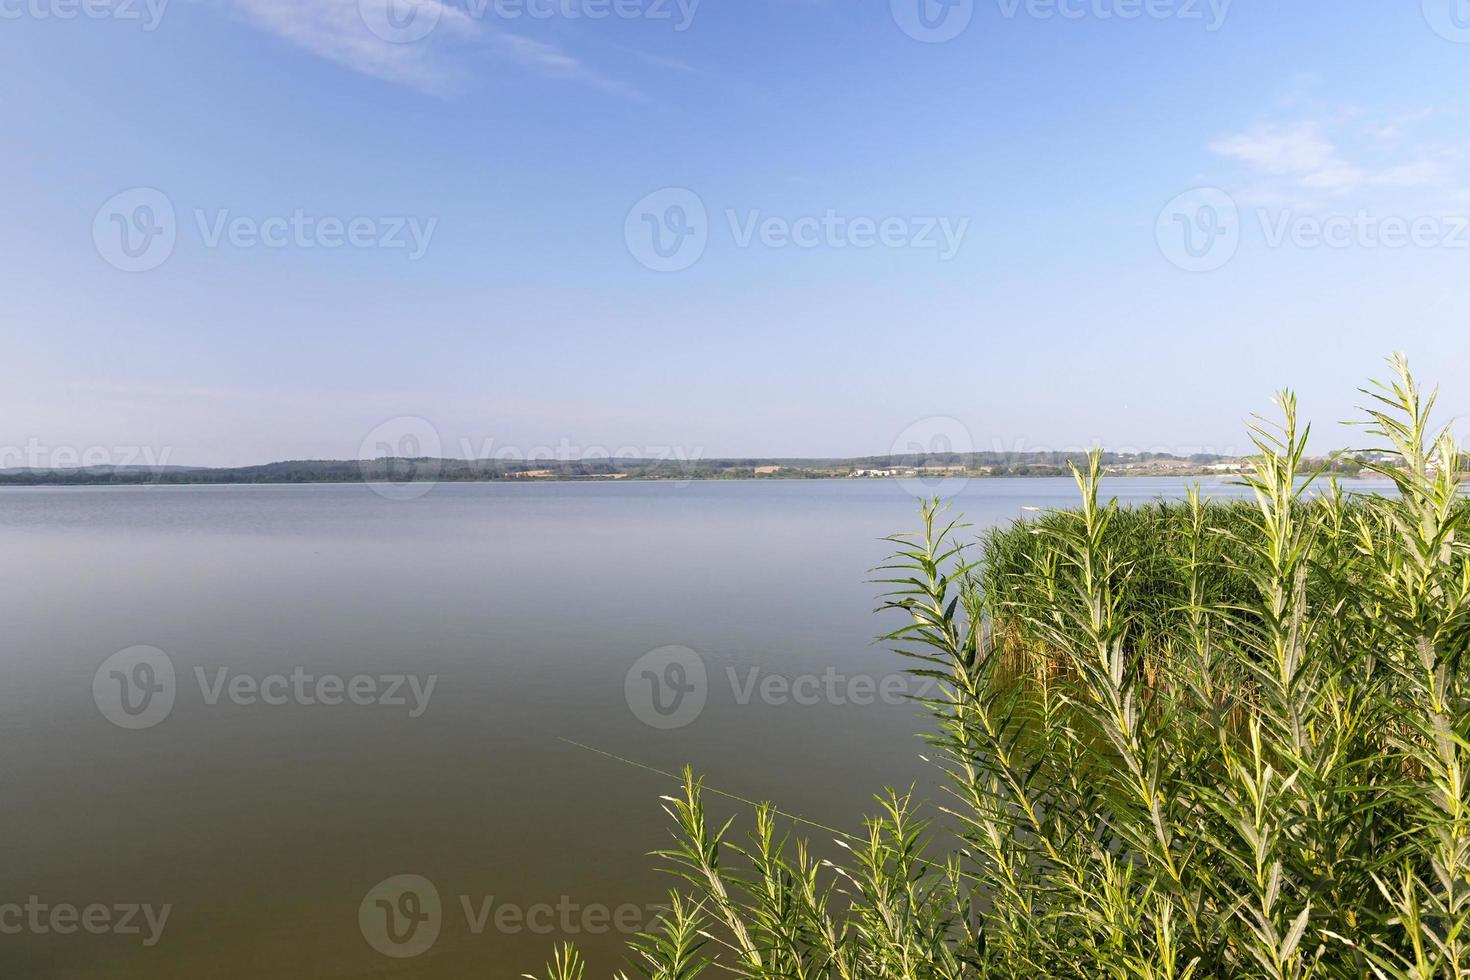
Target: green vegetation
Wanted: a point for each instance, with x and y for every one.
(1185, 741)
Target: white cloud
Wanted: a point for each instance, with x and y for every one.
(1333, 176)
(552, 62)
(339, 31)
(1281, 150)
(1303, 160)
(1417, 174)
(1300, 153)
(1392, 130)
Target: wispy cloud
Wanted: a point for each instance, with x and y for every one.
(656, 60)
(552, 62)
(1298, 152)
(337, 30)
(432, 54)
(1342, 155)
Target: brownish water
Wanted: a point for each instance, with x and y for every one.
(266, 828)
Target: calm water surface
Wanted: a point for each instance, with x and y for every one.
(266, 827)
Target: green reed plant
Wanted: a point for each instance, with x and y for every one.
(1179, 741)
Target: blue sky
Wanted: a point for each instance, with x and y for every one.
(984, 221)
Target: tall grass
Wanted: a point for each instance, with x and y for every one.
(1182, 741)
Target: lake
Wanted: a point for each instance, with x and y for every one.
(310, 731)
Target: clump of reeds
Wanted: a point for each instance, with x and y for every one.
(1182, 741)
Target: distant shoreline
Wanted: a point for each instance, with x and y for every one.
(926, 467)
(12, 483)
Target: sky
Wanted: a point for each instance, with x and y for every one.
(247, 230)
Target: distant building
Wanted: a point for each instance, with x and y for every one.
(768, 470)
